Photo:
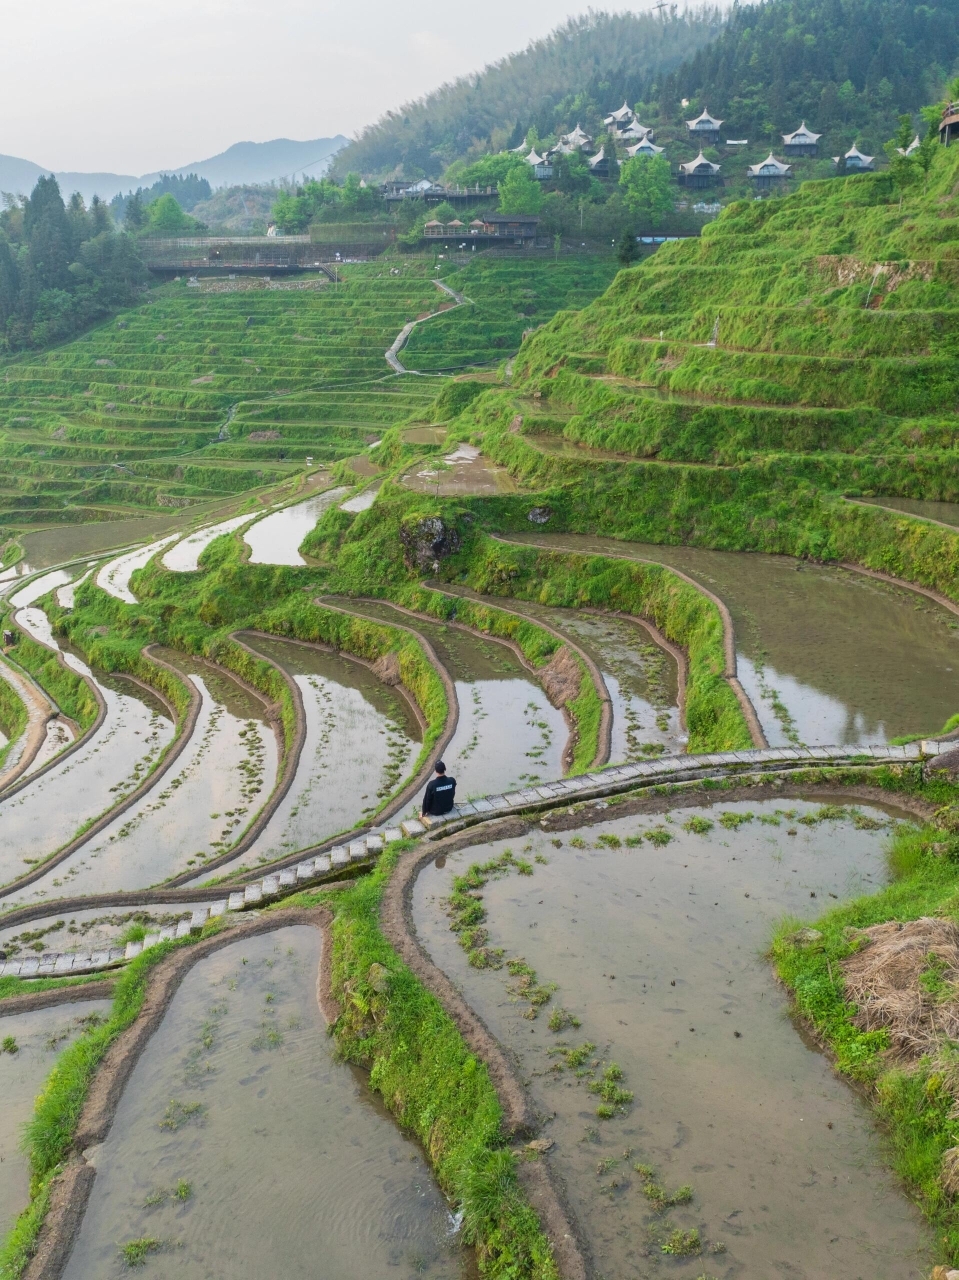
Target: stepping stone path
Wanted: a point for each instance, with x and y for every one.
(588, 786)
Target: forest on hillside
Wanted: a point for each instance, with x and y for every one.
(591, 59)
(62, 266)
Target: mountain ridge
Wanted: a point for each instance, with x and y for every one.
(241, 163)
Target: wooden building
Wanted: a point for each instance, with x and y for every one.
(801, 142)
(705, 129)
(698, 173)
(616, 121)
(504, 228)
(599, 164)
(769, 172)
(644, 148)
(856, 162)
(949, 124)
(542, 169)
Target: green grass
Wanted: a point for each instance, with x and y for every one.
(13, 716)
(436, 1089)
(70, 691)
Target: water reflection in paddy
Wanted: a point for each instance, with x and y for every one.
(946, 512)
(49, 811)
(197, 809)
(508, 733)
(642, 678)
(293, 1169)
(39, 1037)
(276, 538)
(657, 951)
(361, 738)
(827, 655)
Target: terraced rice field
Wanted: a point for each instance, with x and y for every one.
(645, 936)
(193, 397)
(243, 1147)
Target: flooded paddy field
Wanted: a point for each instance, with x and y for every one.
(358, 730)
(51, 809)
(827, 655)
(642, 678)
(87, 930)
(198, 808)
(508, 732)
(709, 1112)
(464, 471)
(241, 1147)
(276, 538)
(48, 547)
(37, 1037)
(185, 555)
(945, 512)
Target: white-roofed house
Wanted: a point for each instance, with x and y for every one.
(856, 162)
(769, 172)
(644, 148)
(599, 165)
(618, 120)
(698, 173)
(705, 128)
(542, 169)
(801, 142)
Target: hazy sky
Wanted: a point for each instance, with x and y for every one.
(127, 86)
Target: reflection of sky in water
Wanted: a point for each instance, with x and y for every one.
(39, 587)
(275, 539)
(818, 718)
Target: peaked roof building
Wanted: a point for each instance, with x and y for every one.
(619, 119)
(855, 159)
(644, 148)
(801, 137)
(769, 168)
(704, 124)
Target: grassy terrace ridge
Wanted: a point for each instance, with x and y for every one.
(206, 392)
(731, 389)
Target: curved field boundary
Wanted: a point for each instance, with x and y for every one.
(942, 600)
(675, 651)
(390, 808)
(81, 739)
(503, 640)
(181, 738)
(908, 515)
(74, 994)
(391, 355)
(40, 711)
(604, 737)
(519, 1115)
(72, 1186)
(729, 633)
(661, 777)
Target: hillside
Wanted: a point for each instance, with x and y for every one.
(730, 390)
(847, 67)
(580, 67)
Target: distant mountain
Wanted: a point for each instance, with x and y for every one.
(244, 163)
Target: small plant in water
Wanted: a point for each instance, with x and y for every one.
(135, 1252)
(633, 842)
(560, 1019)
(183, 1190)
(9, 1045)
(609, 841)
(698, 825)
(578, 842)
(682, 1244)
(179, 1113)
(732, 821)
(659, 836)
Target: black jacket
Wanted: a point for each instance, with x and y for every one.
(439, 794)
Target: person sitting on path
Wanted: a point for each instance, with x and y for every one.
(438, 797)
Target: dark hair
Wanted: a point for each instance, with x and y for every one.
(440, 767)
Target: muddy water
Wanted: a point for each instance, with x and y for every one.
(826, 655)
(185, 556)
(111, 764)
(356, 727)
(947, 512)
(276, 539)
(92, 929)
(39, 1037)
(57, 735)
(465, 471)
(642, 678)
(198, 808)
(54, 546)
(508, 734)
(657, 951)
(115, 575)
(293, 1168)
